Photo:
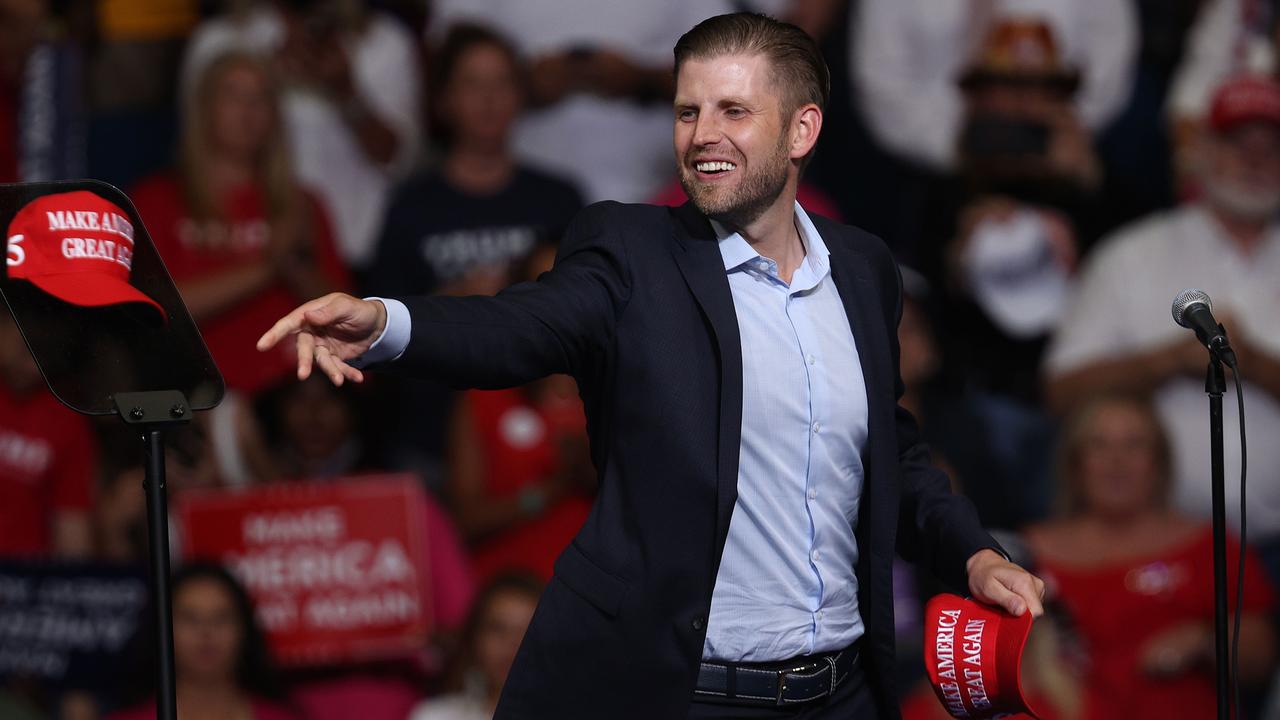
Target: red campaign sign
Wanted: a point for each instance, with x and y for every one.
(337, 569)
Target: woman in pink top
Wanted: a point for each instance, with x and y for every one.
(221, 664)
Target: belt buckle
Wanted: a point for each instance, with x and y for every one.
(782, 679)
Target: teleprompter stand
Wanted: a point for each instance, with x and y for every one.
(151, 413)
(129, 348)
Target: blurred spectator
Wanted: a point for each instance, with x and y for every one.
(601, 80)
(222, 668)
(351, 106)
(120, 518)
(996, 465)
(520, 479)
(241, 238)
(908, 53)
(1028, 171)
(315, 432)
(1134, 148)
(48, 461)
(458, 228)
(488, 646)
(1134, 574)
(134, 50)
(1117, 333)
(905, 58)
(42, 133)
(1230, 37)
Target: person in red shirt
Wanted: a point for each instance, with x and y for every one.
(520, 476)
(244, 242)
(48, 461)
(1136, 576)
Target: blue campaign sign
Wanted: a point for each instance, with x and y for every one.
(65, 624)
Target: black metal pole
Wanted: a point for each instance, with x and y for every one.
(158, 531)
(1214, 384)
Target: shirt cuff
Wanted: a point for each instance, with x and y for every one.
(391, 344)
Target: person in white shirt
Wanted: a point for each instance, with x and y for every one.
(1229, 37)
(907, 54)
(1118, 334)
(601, 84)
(352, 104)
(490, 639)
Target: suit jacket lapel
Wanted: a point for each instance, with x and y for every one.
(697, 255)
(851, 273)
(877, 516)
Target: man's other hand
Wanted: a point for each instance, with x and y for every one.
(996, 581)
(329, 331)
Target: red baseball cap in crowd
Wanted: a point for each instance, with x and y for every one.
(78, 247)
(1245, 98)
(973, 654)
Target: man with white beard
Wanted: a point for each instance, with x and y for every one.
(1118, 334)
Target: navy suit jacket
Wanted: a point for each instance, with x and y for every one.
(638, 310)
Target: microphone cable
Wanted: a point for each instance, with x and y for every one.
(1244, 465)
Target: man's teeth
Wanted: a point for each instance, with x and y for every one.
(715, 166)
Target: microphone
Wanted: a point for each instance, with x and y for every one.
(1192, 309)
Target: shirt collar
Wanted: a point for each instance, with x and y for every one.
(736, 251)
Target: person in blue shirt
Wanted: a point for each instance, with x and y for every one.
(737, 360)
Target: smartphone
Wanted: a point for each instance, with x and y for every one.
(994, 136)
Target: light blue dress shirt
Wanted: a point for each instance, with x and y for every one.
(786, 584)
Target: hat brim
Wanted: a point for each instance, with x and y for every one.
(1010, 643)
(91, 290)
(1005, 688)
(1064, 81)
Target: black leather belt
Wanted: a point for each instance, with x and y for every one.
(790, 682)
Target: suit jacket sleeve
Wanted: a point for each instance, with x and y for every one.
(935, 526)
(562, 323)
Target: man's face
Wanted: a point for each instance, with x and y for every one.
(1242, 171)
(733, 145)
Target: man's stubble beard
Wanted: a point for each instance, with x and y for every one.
(744, 204)
(1243, 202)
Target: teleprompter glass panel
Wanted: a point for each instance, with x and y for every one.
(93, 300)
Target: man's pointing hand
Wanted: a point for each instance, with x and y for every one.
(330, 331)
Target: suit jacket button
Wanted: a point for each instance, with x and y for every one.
(699, 623)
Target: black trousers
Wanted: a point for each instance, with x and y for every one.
(851, 701)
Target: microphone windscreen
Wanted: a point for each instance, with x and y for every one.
(1184, 301)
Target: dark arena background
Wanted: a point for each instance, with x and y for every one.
(1048, 175)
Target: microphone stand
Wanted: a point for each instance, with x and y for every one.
(1214, 385)
(152, 413)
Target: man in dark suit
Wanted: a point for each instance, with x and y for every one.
(738, 363)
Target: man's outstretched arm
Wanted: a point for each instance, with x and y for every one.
(556, 324)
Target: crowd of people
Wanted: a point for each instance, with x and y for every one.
(1049, 173)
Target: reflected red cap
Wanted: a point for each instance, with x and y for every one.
(78, 247)
(973, 654)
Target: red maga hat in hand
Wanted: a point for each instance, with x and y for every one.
(78, 247)
(973, 654)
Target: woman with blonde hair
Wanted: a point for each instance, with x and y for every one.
(1135, 575)
(242, 239)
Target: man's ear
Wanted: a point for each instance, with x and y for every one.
(806, 124)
